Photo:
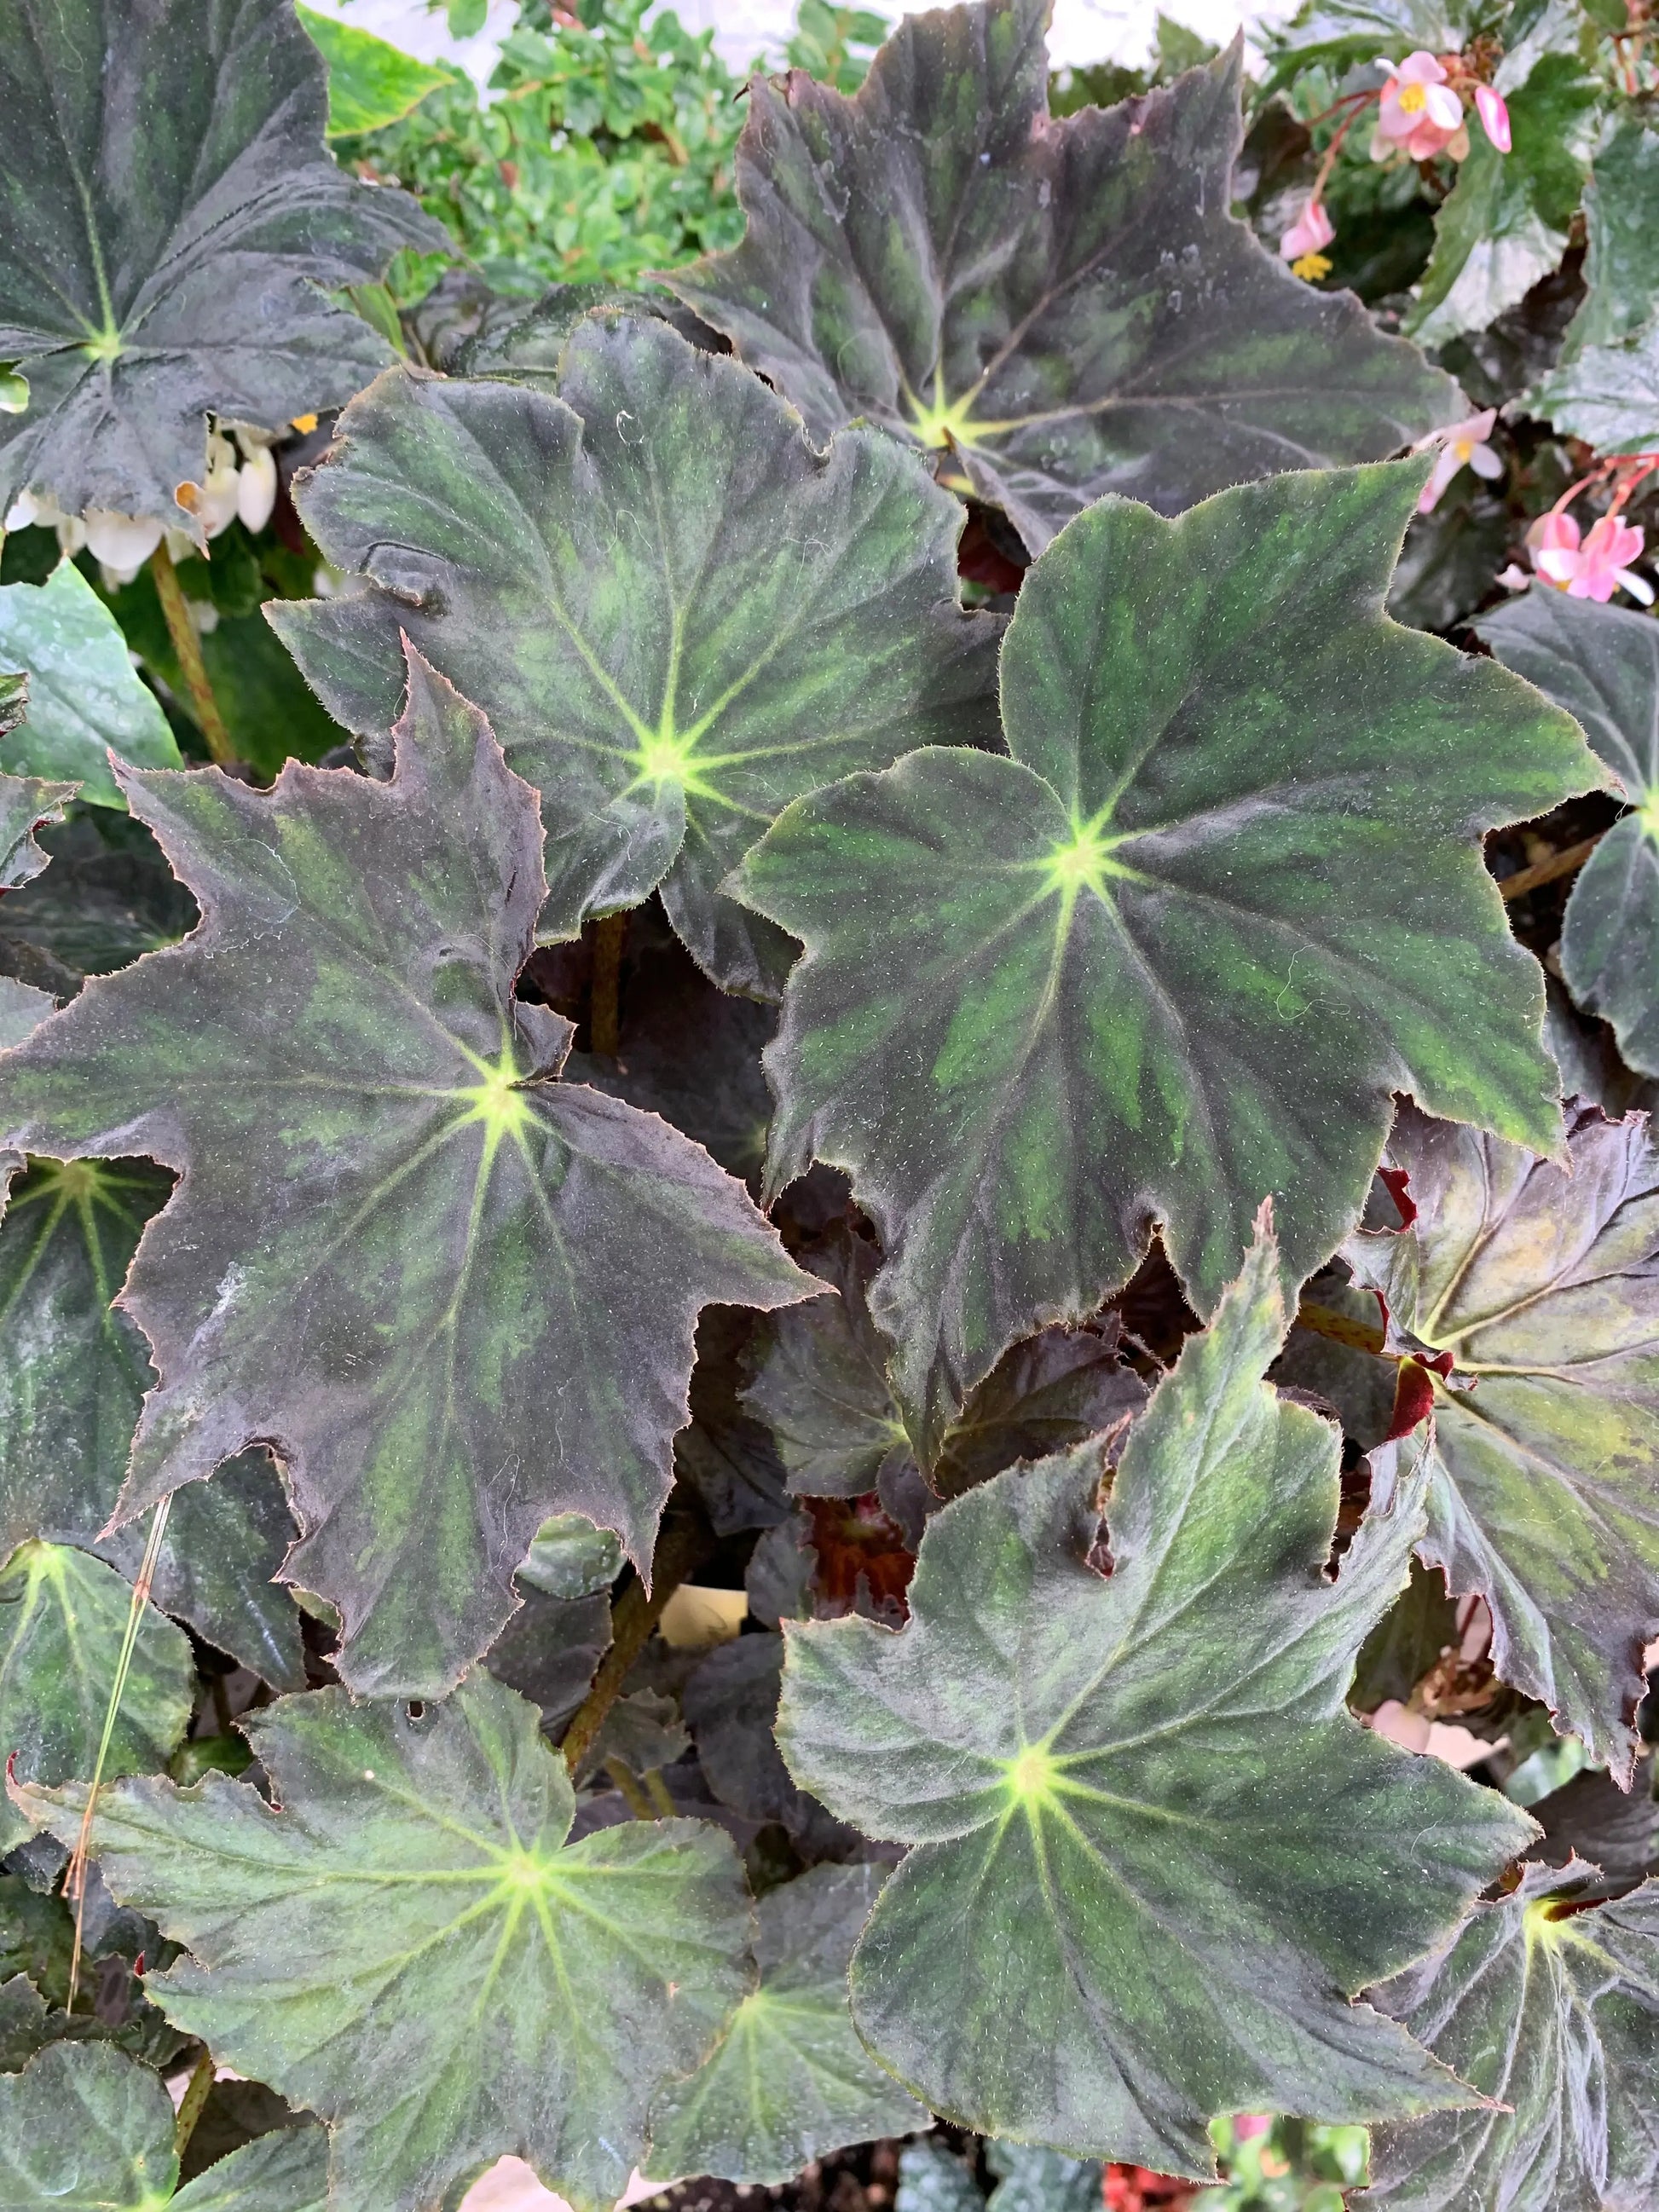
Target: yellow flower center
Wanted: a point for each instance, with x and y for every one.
(1310, 267)
(1413, 99)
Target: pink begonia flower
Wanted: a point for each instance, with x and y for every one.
(1247, 2126)
(1419, 110)
(1311, 232)
(1494, 115)
(1593, 570)
(1464, 446)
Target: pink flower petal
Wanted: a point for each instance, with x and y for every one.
(1443, 107)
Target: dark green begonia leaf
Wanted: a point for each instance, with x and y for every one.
(63, 1615)
(26, 802)
(1068, 306)
(1506, 221)
(411, 1949)
(676, 614)
(73, 1372)
(170, 221)
(1036, 2180)
(549, 1650)
(1225, 897)
(84, 693)
(1152, 1855)
(22, 1009)
(1615, 1830)
(1602, 664)
(1543, 1282)
(83, 2129)
(819, 1382)
(1551, 2006)
(1621, 244)
(790, 2081)
(731, 1703)
(393, 1238)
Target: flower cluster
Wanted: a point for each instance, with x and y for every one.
(239, 482)
(1588, 567)
(1420, 115)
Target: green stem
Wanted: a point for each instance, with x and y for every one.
(187, 646)
(74, 1878)
(190, 2104)
(683, 1546)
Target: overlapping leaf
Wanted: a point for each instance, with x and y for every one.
(370, 82)
(84, 2129)
(1152, 1854)
(1068, 306)
(455, 1296)
(107, 896)
(73, 1372)
(63, 1615)
(1545, 1286)
(1505, 223)
(84, 694)
(411, 1949)
(820, 1384)
(25, 803)
(1553, 2010)
(1224, 898)
(170, 221)
(790, 2081)
(1602, 664)
(676, 614)
(1606, 387)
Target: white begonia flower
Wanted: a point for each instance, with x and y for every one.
(71, 534)
(121, 541)
(214, 502)
(30, 508)
(256, 488)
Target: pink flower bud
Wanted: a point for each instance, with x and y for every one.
(1494, 115)
(1312, 231)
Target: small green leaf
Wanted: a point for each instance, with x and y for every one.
(395, 1237)
(1540, 1279)
(1602, 664)
(25, 804)
(1506, 221)
(570, 1558)
(1152, 1854)
(73, 1373)
(160, 289)
(676, 614)
(370, 83)
(1551, 2009)
(410, 1948)
(83, 2129)
(63, 1615)
(1338, 31)
(790, 2081)
(85, 696)
(1178, 952)
(1057, 309)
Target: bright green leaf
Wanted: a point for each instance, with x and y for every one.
(790, 2081)
(150, 277)
(676, 614)
(1178, 952)
(73, 1372)
(394, 1236)
(63, 1615)
(1602, 664)
(1552, 2011)
(1152, 1854)
(1065, 309)
(370, 83)
(1543, 1281)
(411, 1949)
(85, 696)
